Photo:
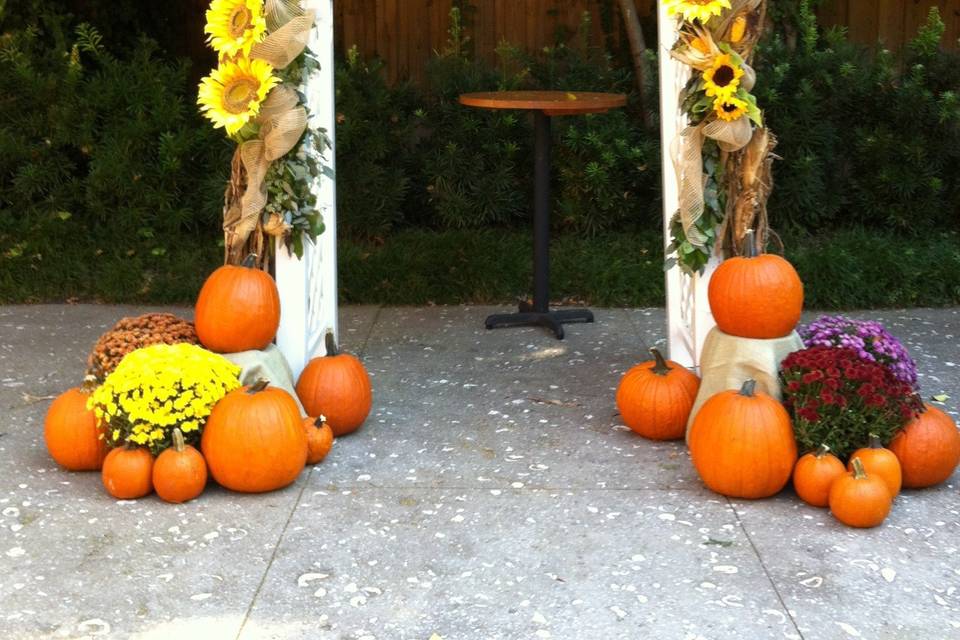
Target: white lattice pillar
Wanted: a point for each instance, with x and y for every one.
(688, 310)
(308, 286)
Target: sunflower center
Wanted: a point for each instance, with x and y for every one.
(240, 20)
(723, 76)
(729, 107)
(238, 95)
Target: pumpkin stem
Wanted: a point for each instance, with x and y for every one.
(260, 385)
(178, 444)
(660, 365)
(249, 261)
(331, 344)
(859, 473)
(875, 441)
(822, 450)
(749, 388)
(749, 244)
(318, 421)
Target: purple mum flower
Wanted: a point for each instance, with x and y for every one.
(868, 338)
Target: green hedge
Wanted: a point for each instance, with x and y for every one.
(111, 184)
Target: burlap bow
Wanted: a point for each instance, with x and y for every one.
(282, 121)
(687, 153)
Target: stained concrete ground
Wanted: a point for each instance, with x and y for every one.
(492, 494)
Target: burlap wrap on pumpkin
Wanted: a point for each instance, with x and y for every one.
(268, 364)
(728, 361)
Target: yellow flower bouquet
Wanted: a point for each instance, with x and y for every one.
(160, 388)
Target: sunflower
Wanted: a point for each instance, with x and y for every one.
(232, 94)
(234, 26)
(723, 78)
(701, 10)
(730, 108)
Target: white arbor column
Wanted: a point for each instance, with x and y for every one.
(308, 286)
(688, 310)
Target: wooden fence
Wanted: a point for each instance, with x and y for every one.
(405, 33)
(890, 22)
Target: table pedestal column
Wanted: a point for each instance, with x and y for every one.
(539, 312)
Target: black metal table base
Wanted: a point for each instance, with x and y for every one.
(553, 320)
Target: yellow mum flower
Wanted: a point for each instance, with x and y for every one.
(701, 10)
(730, 108)
(234, 26)
(723, 78)
(231, 95)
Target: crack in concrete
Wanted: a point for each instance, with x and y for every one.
(766, 571)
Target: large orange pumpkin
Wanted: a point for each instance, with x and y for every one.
(742, 443)
(254, 440)
(814, 474)
(319, 439)
(756, 296)
(336, 386)
(179, 472)
(880, 462)
(238, 309)
(928, 448)
(128, 473)
(655, 398)
(858, 499)
(71, 433)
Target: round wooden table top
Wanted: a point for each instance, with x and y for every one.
(553, 103)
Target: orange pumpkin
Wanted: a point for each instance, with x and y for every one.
(336, 386)
(180, 472)
(814, 474)
(880, 462)
(319, 439)
(742, 443)
(128, 473)
(71, 433)
(254, 439)
(858, 499)
(655, 398)
(928, 448)
(756, 296)
(238, 309)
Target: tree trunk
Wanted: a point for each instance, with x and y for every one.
(638, 48)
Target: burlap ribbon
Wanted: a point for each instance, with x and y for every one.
(687, 155)
(282, 120)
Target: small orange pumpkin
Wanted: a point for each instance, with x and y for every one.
(756, 296)
(742, 443)
(73, 437)
(858, 499)
(238, 309)
(814, 474)
(880, 462)
(928, 448)
(655, 398)
(336, 386)
(128, 473)
(254, 440)
(179, 472)
(319, 439)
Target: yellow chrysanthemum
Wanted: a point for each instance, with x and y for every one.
(701, 10)
(234, 26)
(723, 78)
(232, 94)
(730, 108)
